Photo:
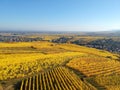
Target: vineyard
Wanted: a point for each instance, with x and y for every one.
(98, 70)
(95, 66)
(21, 64)
(57, 79)
(51, 66)
(16, 58)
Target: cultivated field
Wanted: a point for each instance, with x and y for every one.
(50, 66)
(57, 79)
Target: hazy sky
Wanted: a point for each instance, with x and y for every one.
(60, 15)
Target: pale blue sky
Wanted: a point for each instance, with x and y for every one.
(60, 15)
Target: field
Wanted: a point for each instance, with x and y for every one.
(101, 72)
(58, 65)
(57, 79)
(95, 66)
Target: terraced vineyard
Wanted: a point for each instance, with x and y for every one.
(95, 66)
(101, 72)
(57, 79)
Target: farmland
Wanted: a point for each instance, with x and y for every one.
(53, 66)
(101, 72)
(56, 79)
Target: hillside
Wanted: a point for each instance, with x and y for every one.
(22, 60)
(107, 40)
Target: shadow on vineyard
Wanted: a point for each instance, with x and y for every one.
(17, 85)
(80, 74)
(95, 84)
(83, 77)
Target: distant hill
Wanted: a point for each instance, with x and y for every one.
(93, 33)
(105, 33)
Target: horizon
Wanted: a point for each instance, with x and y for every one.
(60, 15)
(51, 31)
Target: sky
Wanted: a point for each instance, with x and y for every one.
(60, 15)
